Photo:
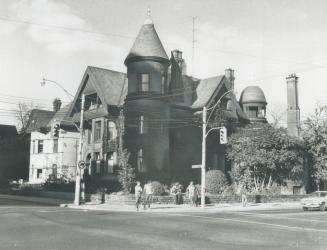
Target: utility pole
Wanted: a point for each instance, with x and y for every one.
(79, 156)
(193, 42)
(204, 145)
(203, 164)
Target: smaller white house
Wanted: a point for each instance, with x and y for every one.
(53, 157)
(53, 149)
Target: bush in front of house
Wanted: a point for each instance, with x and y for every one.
(158, 188)
(216, 182)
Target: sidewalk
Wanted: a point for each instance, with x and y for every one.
(171, 208)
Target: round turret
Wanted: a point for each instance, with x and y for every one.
(252, 94)
(253, 103)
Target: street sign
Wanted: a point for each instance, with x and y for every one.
(197, 166)
(81, 164)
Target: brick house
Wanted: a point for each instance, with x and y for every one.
(162, 106)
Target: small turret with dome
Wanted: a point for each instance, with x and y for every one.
(253, 103)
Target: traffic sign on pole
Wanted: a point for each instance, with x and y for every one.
(197, 166)
(81, 164)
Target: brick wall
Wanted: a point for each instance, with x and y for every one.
(210, 199)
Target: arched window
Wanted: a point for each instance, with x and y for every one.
(111, 130)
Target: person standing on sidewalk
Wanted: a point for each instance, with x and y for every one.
(179, 194)
(138, 195)
(148, 194)
(243, 196)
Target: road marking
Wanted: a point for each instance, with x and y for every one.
(249, 222)
(54, 211)
(276, 216)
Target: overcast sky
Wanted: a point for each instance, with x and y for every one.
(263, 41)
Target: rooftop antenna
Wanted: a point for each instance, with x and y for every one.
(193, 42)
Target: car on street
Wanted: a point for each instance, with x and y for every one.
(316, 200)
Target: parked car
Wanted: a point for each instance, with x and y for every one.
(316, 199)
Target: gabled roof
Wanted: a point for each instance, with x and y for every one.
(60, 116)
(147, 44)
(208, 88)
(205, 90)
(38, 119)
(111, 86)
(7, 130)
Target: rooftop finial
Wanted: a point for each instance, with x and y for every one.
(148, 20)
(149, 12)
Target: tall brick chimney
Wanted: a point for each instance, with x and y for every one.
(293, 110)
(56, 104)
(229, 74)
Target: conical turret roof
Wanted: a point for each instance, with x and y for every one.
(147, 44)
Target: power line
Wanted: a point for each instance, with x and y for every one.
(5, 19)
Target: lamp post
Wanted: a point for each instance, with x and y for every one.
(44, 81)
(204, 136)
(79, 171)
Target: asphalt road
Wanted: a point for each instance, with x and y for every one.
(33, 226)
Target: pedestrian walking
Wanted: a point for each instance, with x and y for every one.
(138, 195)
(191, 193)
(148, 190)
(196, 195)
(173, 191)
(244, 198)
(179, 196)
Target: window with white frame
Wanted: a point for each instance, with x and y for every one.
(55, 146)
(40, 146)
(143, 82)
(97, 131)
(111, 130)
(142, 126)
(98, 162)
(163, 82)
(111, 162)
(140, 163)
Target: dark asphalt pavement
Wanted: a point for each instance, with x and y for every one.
(33, 226)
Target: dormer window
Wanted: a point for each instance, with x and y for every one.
(144, 82)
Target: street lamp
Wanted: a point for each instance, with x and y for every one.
(204, 136)
(79, 170)
(44, 81)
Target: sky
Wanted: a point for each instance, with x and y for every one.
(262, 40)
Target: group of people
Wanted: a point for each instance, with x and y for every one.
(145, 194)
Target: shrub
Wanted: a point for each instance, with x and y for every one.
(216, 182)
(158, 188)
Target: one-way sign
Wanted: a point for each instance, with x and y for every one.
(197, 166)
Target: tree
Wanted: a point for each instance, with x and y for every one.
(276, 116)
(126, 174)
(22, 114)
(263, 155)
(315, 138)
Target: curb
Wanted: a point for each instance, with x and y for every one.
(33, 199)
(187, 209)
